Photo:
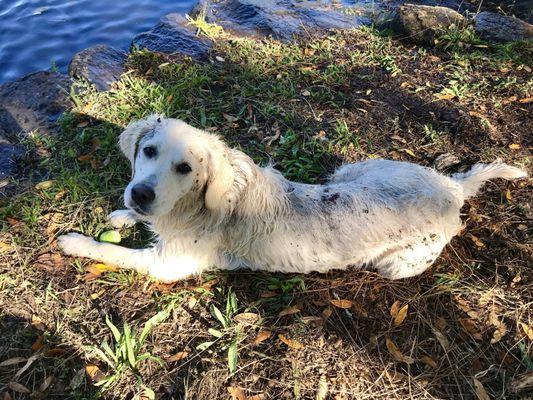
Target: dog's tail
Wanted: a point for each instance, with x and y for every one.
(479, 173)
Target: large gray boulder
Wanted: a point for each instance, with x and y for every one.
(34, 103)
(100, 65)
(30, 104)
(495, 26)
(173, 35)
(281, 19)
(423, 23)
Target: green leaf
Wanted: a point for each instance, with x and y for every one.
(110, 237)
(129, 345)
(231, 304)
(149, 393)
(203, 346)
(109, 350)
(232, 357)
(215, 332)
(217, 314)
(102, 356)
(148, 326)
(113, 328)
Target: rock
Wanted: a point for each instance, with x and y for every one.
(101, 65)
(34, 103)
(445, 161)
(281, 19)
(9, 156)
(495, 26)
(423, 23)
(173, 34)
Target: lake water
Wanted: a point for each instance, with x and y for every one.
(36, 34)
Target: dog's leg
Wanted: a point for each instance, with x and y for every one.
(150, 261)
(123, 218)
(77, 245)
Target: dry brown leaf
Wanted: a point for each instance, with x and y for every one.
(327, 313)
(508, 195)
(178, 356)
(395, 308)
(38, 344)
(528, 330)
(443, 340)
(266, 294)
(5, 248)
(289, 311)
(441, 323)
(396, 353)
(410, 152)
(246, 318)
(514, 146)
(192, 302)
(341, 303)
(46, 383)
(44, 185)
(260, 396)
(57, 352)
(7, 396)
(293, 344)
(17, 387)
(476, 241)
(12, 361)
(400, 315)
(429, 361)
(526, 100)
(360, 309)
(481, 393)
(469, 325)
(236, 393)
(522, 382)
(445, 96)
(94, 373)
(262, 336)
(501, 328)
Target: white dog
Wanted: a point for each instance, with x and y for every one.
(211, 206)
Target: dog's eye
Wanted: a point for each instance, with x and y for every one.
(183, 168)
(150, 151)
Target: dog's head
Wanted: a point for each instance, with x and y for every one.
(170, 160)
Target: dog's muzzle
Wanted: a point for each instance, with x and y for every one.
(142, 195)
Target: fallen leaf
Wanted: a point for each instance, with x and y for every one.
(394, 309)
(5, 248)
(306, 93)
(46, 383)
(476, 241)
(266, 294)
(230, 118)
(443, 340)
(236, 393)
(293, 344)
(360, 309)
(94, 296)
(445, 95)
(192, 302)
(57, 352)
(17, 387)
(38, 344)
(289, 311)
(327, 313)
(501, 328)
(246, 318)
(44, 185)
(178, 356)
(98, 268)
(322, 391)
(396, 353)
(429, 361)
(341, 303)
(60, 195)
(12, 361)
(400, 315)
(528, 330)
(77, 379)
(514, 146)
(526, 100)
(481, 393)
(110, 237)
(94, 373)
(522, 382)
(410, 152)
(7, 396)
(262, 336)
(469, 325)
(82, 124)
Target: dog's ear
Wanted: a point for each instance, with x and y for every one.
(134, 132)
(219, 194)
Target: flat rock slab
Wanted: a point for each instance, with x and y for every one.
(100, 65)
(33, 104)
(495, 26)
(281, 19)
(173, 34)
(422, 23)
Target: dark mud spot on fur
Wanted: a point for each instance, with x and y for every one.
(331, 199)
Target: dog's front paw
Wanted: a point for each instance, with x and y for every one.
(76, 244)
(122, 218)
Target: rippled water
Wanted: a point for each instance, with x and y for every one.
(36, 34)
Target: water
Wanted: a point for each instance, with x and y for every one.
(38, 34)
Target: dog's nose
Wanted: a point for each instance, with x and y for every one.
(142, 194)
